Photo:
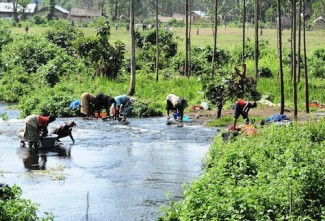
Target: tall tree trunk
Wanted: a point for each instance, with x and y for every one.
(280, 57)
(131, 91)
(15, 9)
(157, 44)
(244, 21)
(214, 57)
(115, 13)
(256, 49)
(293, 59)
(299, 40)
(186, 38)
(305, 57)
(189, 37)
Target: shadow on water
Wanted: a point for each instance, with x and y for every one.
(35, 159)
(112, 172)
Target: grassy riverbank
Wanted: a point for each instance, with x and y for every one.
(276, 175)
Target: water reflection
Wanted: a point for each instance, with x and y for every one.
(127, 169)
(35, 159)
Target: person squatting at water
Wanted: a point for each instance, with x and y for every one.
(122, 106)
(103, 102)
(64, 130)
(87, 103)
(242, 107)
(34, 125)
(176, 103)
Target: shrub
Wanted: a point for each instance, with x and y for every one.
(31, 52)
(265, 72)
(13, 207)
(5, 36)
(38, 20)
(63, 35)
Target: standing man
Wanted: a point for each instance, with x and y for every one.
(219, 104)
(176, 103)
(242, 107)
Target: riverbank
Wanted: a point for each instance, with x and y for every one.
(204, 117)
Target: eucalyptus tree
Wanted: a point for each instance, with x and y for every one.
(299, 39)
(244, 30)
(157, 43)
(131, 91)
(305, 58)
(186, 39)
(256, 48)
(280, 57)
(293, 59)
(214, 57)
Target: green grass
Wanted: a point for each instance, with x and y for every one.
(227, 38)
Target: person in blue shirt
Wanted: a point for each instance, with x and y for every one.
(122, 106)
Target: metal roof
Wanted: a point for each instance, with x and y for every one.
(8, 7)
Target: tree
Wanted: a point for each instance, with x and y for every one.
(132, 82)
(280, 57)
(305, 57)
(186, 39)
(51, 10)
(215, 37)
(244, 26)
(157, 45)
(293, 59)
(256, 49)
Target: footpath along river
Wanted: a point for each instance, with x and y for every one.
(126, 170)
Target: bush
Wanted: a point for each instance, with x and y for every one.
(38, 20)
(31, 52)
(5, 36)
(13, 207)
(265, 73)
(63, 35)
(317, 63)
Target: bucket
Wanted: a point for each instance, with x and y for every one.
(186, 118)
(49, 140)
(176, 115)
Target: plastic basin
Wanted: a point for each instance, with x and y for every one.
(49, 140)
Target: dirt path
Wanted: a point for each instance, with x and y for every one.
(262, 111)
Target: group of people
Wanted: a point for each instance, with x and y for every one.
(241, 107)
(118, 106)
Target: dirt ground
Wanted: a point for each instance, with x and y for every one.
(201, 117)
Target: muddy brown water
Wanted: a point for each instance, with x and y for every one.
(126, 170)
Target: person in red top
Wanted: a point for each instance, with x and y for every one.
(34, 125)
(242, 107)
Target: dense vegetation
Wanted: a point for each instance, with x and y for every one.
(13, 207)
(277, 175)
(44, 72)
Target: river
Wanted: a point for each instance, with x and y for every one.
(111, 172)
